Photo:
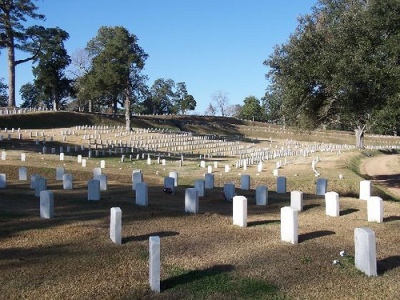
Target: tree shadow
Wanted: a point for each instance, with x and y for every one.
(263, 222)
(310, 206)
(348, 211)
(145, 237)
(313, 235)
(391, 219)
(388, 263)
(191, 276)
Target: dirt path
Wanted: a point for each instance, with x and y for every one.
(384, 170)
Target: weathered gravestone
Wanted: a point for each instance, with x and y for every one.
(46, 204)
(68, 181)
(209, 181)
(321, 186)
(137, 176)
(169, 185)
(3, 181)
(245, 182)
(142, 194)
(261, 195)
(60, 171)
(102, 178)
(93, 190)
(229, 191)
(192, 200)
(199, 185)
(281, 185)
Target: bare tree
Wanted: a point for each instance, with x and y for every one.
(211, 110)
(221, 100)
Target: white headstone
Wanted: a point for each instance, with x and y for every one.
(142, 194)
(227, 168)
(261, 195)
(154, 263)
(46, 204)
(245, 182)
(375, 209)
(61, 156)
(202, 164)
(23, 157)
(102, 164)
(192, 200)
(275, 172)
(34, 180)
(68, 182)
(209, 169)
(116, 225)
(332, 207)
(365, 251)
(22, 173)
(281, 184)
(83, 162)
(289, 225)
(175, 176)
(137, 176)
(240, 211)
(365, 189)
(296, 200)
(3, 155)
(79, 159)
(93, 190)
(229, 191)
(103, 181)
(96, 172)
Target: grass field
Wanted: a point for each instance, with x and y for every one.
(203, 256)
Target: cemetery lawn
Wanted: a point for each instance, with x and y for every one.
(203, 256)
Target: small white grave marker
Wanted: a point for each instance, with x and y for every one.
(375, 209)
(116, 225)
(289, 225)
(240, 211)
(191, 200)
(365, 250)
(154, 263)
(46, 204)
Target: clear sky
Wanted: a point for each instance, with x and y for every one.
(211, 45)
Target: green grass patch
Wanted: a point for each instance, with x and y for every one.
(217, 282)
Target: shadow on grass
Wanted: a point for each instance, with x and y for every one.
(388, 264)
(348, 211)
(195, 275)
(310, 206)
(313, 235)
(391, 219)
(265, 222)
(145, 237)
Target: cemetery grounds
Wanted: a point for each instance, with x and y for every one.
(203, 256)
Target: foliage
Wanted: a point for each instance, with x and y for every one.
(51, 61)
(182, 100)
(15, 35)
(116, 63)
(341, 65)
(30, 96)
(3, 93)
(272, 105)
(252, 110)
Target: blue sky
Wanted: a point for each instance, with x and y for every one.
(211, 45)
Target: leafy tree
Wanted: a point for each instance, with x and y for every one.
(252, 110)
(15, 35)
(160, 100)
(221, 100)
(30, 96)
(117, 59)
(183, 101)
(272, 106)
(341, 65)
(3, 93)
(51, 61)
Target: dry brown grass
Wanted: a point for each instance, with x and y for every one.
(72, 257)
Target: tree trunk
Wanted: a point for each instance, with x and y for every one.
(127, 106)
(359, 133)
(90, 106)
(11, 75)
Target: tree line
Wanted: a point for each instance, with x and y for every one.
(339, 69)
